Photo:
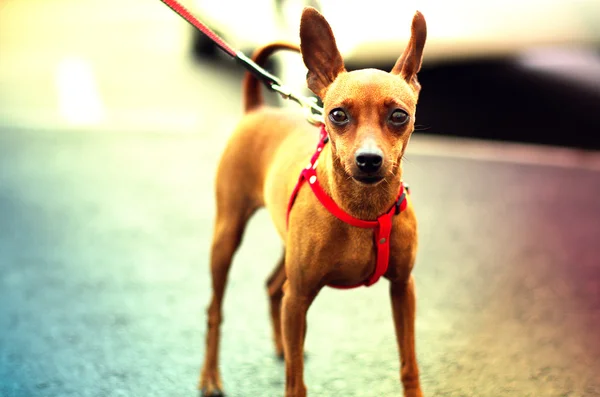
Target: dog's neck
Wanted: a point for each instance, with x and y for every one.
(361, 201)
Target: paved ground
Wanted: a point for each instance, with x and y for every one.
(103, 253)
(105, 225)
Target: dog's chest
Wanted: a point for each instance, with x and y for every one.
(351, 257)
(352, 254)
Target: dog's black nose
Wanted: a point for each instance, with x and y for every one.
(368, 161)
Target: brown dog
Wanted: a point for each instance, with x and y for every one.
(369, 117)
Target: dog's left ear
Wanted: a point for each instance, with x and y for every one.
(409, 63)
(319, 52)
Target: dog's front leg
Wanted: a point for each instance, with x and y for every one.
(403, 306)
(294, 309)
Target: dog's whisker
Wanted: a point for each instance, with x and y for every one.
(421, 128)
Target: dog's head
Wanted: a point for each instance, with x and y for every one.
(369, 114)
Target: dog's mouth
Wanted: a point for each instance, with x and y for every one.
(368, 179)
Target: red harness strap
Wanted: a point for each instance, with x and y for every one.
(382, 226)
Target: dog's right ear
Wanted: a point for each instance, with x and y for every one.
(319, 52)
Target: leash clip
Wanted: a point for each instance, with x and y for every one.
(314, 113)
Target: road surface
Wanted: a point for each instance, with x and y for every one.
(106, 214)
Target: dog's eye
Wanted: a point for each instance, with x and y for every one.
(338, 116)
(399, 117)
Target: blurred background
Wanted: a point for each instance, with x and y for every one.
(112, 118)
(506, 70)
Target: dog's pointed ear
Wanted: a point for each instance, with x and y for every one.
(409, 63)
(319, 51)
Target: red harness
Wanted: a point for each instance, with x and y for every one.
(382, 226)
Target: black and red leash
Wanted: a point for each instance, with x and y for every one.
(314, 112)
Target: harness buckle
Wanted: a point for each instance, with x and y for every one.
(399, 202)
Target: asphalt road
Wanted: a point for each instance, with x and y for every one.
(105, 225)
(104, 278)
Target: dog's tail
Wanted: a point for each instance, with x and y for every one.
(251, 90)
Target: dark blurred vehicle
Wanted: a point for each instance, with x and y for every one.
(541, 54)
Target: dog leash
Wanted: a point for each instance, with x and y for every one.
(314, 113)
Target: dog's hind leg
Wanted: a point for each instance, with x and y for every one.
(229, 227)
(275, 290)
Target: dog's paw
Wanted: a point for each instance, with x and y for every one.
(214, 392)
(210, 385)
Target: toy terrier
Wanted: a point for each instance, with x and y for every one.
(334, 193)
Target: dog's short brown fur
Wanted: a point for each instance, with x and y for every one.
(260, 167)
